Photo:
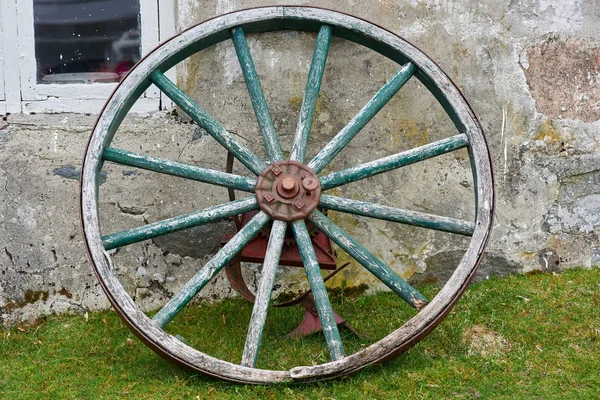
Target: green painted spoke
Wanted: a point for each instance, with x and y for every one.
(313, 273)
(367, 113)
(397, 160)
(263, 295)
(311, 94)
(369, 261)
(175, 168)
(414, 218)
(257, 97)
(175, 224)
(202, 118)
(210, 269)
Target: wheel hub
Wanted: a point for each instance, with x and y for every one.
(288, 190)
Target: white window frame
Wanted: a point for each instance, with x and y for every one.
(21, 91)
(2, 96)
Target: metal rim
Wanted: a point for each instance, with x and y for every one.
(267, 19)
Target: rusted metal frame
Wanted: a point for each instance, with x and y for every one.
(210, 269)
(202, 118)
(263, 295)
(319, 292)
(257, 97)
(175, 168)
(394, 161)
(311, 94)
(178, 223)
(358, 122)
(369, 261)
(414, 218)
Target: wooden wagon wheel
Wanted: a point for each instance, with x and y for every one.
(287, 191)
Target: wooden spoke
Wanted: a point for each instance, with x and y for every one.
(210, 269)
(263, 295)
(311, 94)
(369, 261)
(313, 273)
(367, 113)
(175, 168)
(257, 97)
(175, 224)
(397, 160)
(414, 218)
(202, 118)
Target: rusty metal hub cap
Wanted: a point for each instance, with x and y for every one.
(288, 190)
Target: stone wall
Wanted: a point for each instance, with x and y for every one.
(531, 71)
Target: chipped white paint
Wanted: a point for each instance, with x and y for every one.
(415, 218)
(10, 48)
(55, 141)
(263, 295)
(319, 292)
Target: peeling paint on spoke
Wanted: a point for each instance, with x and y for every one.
(369, 261)
(175, 168)
(175, 224)
(414, 218)
(257, 97)
(313, 273)
(359, 121)
(202, 118)
(311, 94)
(394, 161)
(263, 295)
(210, 269)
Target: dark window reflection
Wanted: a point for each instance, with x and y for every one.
(85, 40)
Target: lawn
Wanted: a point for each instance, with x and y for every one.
(522, 337)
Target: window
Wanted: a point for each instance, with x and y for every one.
(68, 55)
(1, 63)
(85, 41)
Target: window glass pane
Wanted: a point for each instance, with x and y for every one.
(1, 60)
(85, 41)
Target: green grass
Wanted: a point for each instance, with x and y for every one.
(543, 342)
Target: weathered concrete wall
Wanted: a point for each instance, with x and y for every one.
(530, 70)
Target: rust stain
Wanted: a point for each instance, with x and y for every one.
(408, 272)
(407, 133)
(30, 297)
(295, 102)
(548, 134)
(564, 78)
